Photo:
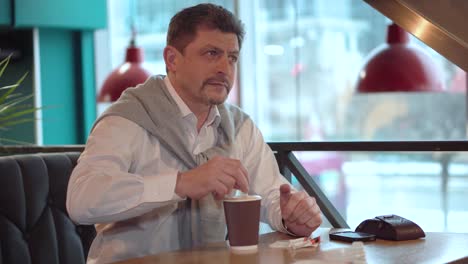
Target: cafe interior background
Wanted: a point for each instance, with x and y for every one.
(301, 63)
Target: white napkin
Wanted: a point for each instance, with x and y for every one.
(354, 254)
(296, 243)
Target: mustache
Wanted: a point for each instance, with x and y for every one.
(218, 79)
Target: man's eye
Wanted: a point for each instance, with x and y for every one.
(212, 52)
(233, 58)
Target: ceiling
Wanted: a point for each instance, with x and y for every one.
(441, 24)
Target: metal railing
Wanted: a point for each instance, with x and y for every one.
(289, 164)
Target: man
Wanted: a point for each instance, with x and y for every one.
(159, 161)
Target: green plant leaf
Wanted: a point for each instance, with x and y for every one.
(11, 90)
(16, 122)
(4, 64)
(15, 108)
(8, 87)
(18, 114)
(6, 106)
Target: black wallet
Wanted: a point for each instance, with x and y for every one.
(391, 227)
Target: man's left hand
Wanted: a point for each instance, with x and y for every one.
(300, 212)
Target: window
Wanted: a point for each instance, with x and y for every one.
(150, 19)
(300, 77)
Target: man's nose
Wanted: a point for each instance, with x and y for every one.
(223, 65)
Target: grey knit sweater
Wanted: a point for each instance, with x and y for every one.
(151, 106)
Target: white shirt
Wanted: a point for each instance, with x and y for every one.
(124, 183)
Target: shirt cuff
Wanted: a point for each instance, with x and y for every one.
(286, 230)
(161, 187)
(278, 223)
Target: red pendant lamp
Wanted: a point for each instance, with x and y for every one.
(398, 66)
(129, 74)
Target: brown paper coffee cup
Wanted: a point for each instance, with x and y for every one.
(243, 219)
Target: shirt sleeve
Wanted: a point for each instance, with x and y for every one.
(264, 176)
(102, 187)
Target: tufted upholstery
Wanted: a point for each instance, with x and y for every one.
(34, 224)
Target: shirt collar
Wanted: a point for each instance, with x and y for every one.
(184, 109)
(214, 118)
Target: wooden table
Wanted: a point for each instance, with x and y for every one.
(434, 248)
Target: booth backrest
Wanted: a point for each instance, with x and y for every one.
(34, 223)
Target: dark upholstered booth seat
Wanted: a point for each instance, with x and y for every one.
(34, 224)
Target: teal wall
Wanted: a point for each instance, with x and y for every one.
(65, 32)
(5, 12)
(82, 14)
(88, 84)
(58, 86)
(67, 85)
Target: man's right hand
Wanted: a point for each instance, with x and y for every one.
(218, 176)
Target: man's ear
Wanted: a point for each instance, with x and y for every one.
(170, 58)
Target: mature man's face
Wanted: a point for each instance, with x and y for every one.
(207, 68)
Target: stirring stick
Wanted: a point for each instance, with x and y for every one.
(237, 193)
